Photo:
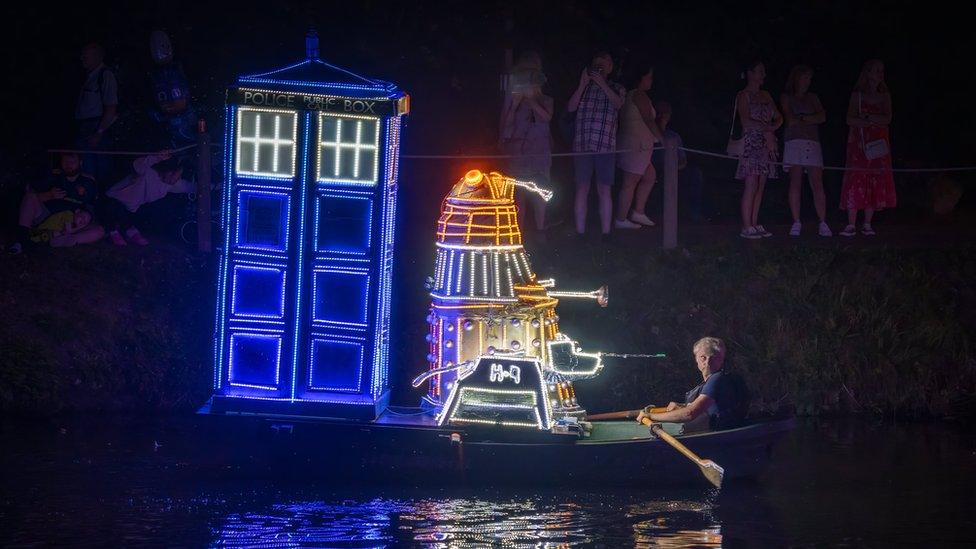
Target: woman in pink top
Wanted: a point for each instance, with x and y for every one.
(868, 182)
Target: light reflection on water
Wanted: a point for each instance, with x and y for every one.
(547, 521)
(849, 484)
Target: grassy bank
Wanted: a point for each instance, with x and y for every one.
(829, 330)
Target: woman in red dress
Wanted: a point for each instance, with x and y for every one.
(868, 183)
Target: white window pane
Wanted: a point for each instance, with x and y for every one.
(348, 149)
(266, 142)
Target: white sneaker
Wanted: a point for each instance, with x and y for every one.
(762, 231)
(849, 230)
(795, 229)
(824, 229)
(751, 233)
(867, 230)
(625, 224)
(641, 219)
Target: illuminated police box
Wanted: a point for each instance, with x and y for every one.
(303, 296)
(500, 391)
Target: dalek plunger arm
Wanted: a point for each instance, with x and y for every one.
(600, 295)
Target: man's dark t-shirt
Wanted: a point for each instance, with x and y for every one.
(731, 400)
(78, 194)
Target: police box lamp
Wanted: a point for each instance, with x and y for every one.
(303, 297)
(497, 356)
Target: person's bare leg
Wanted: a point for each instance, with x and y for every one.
(606, 207)
(644, 189)
(91, 233)
(851, 216)
(579, 206)
(815, 176)
(745, 206)
(868, 215)
(626, 196)
(796, 179)
(31, 208)
(757, 199)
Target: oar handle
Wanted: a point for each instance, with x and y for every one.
(625, 414)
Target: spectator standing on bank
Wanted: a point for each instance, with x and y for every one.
(760, 120)
(869, 184)
(525, 133)
(171, 93)
(97, 110)
(803, 114)
(636, 136)
(690, 178)
(596, 103)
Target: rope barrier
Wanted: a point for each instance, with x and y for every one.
(122, 153)
(841, 168)
(559, 155)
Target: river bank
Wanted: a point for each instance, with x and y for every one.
(829, 330)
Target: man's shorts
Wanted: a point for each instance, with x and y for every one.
(600, 164)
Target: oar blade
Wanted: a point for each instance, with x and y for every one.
(712, 471)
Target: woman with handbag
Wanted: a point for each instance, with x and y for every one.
(869, 184)
(525, 133)
(759, 119)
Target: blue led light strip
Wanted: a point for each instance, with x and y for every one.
(359, 370)
(301, 254)
(231, 116)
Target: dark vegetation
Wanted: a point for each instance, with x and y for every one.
(830, 330)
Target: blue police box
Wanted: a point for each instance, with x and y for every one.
(303, 296)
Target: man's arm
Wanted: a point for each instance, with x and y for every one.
(616, 99)
(574, 100)
(685, 414)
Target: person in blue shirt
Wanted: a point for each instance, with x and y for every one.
(718, 402)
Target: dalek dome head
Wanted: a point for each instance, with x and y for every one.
(479, 210)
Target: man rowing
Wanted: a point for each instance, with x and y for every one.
(720, 401)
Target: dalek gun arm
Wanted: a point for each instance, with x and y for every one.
(600, 295)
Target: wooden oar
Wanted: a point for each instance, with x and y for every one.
(712, 471)
(625, 414)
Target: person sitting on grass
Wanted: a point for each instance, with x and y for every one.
(69, 191)
(720, 401)
(152, 178)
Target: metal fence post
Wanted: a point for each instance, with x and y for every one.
(204, 243)
(670, 232)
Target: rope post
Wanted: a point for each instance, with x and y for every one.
(204, 242)
(670, 218)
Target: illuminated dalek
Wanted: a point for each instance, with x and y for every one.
(496, 354)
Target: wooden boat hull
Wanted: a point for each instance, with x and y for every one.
(416, 452)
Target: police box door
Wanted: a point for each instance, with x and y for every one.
(341, 257)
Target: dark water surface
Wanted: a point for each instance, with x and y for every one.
(845, 484)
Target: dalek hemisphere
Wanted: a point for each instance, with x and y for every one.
(496, 353)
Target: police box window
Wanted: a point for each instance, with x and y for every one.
(266, 142)
(348, 149)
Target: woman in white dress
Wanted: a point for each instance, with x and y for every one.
(637, 134)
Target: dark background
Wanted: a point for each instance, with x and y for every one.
(448, 56)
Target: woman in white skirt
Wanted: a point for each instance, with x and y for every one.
(637, 134)
(803, 113)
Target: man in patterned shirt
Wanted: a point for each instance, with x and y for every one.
(596, 103)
